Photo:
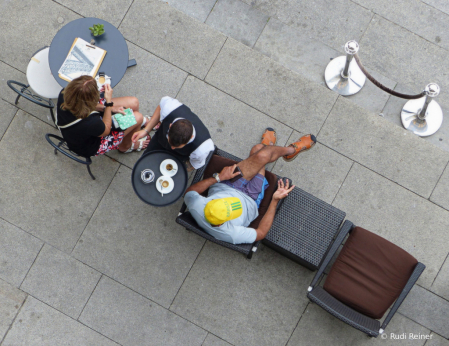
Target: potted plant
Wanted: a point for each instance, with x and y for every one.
(96, 30)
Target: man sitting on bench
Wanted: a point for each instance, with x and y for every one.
(232, 202)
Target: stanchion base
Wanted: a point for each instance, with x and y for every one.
(344, 86)
(431, 124)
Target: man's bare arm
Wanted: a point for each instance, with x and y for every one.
(225, 174)
(268, 218)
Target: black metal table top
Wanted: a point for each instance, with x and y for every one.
(148, 192)
(115, 61)
(305, 226)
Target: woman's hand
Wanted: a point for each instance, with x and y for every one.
(118, 109)
(139, 134)
(108, 92)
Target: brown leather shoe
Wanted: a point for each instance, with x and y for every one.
(269, 137)
(305, 143)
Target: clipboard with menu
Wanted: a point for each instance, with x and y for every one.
(83, 59)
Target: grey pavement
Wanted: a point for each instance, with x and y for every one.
(87, 263)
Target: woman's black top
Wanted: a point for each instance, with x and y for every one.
(83, 137)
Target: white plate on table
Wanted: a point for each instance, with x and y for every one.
(165, 171)
(167, 189)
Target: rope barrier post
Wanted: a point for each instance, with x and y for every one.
(423, 116)
(343, 75)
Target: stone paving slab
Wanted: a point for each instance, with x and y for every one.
(37, 324)
(47, 195)
(140, 246)
(9, 73)
(331, 22)
(234, 126)
(212, 340)
(319, 171)
(400, 216)
(388, 150)
(427, 309)
(294, 49)
(238, 20)
(150, 80)
(442, 5)
(7, 113)
(133, 320)
(173, 36)
(440, 194)
(324, 329)
(60, 281)
(421, 19)
(43, 17)
(110, 10)
(11, 299)
(18, 250)
(310, 57)
(441, 284)
(437, 340)
(274, 90)
(198, 9)
(404, 57)
(248, 303)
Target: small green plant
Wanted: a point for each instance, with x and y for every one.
(97, 29)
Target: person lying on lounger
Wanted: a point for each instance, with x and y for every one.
(231, 205)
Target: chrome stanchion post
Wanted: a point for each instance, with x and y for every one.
(423, 116)
(343, 75)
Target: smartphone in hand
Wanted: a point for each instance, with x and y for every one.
(237, 177)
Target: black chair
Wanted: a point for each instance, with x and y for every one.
(366, 260)
(185, 218)
(61, 145)
(303, 228)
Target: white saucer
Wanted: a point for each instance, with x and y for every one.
(166, 189)
(164, 170)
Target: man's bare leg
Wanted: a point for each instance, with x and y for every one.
(261, 155)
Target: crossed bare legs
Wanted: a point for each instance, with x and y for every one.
(121, 103)
(259, 156)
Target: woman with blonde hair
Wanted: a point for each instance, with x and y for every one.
(86, 123)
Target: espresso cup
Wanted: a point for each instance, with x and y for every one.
(165, 184)
(169, 167)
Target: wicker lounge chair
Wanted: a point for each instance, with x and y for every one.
(303, 228)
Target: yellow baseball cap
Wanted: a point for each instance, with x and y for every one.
(221, 210)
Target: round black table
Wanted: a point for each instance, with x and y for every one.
(115, 61)
(148, 192)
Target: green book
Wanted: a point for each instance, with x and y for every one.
(125, 120)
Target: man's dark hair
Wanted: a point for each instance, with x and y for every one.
(180, 132)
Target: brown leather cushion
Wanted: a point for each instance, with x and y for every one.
(369, 273)
(217, 163)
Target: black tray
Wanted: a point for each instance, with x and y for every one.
(148, 192)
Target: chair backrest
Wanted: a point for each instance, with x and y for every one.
(61, 146)
(39, 75)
